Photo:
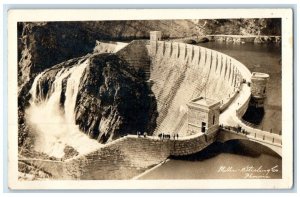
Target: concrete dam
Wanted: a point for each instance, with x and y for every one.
(182, 72)
(190, 83)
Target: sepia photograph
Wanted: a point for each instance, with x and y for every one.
(194, 97)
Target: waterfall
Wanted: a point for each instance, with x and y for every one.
(54, 127)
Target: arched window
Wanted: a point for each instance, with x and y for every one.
(213, 119)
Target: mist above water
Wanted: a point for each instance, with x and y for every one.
(53, 124)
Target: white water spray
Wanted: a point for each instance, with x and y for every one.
(55, 128)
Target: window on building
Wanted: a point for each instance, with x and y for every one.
(203, 127)
(213, 119)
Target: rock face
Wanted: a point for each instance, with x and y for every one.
(111, 101)
(245, 26)
(42, 45)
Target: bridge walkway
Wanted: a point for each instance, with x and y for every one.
(231, 116)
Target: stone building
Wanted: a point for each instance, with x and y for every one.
(259, 88)
(155, 35)
(203, 115)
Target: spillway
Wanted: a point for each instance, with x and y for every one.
(53, 120)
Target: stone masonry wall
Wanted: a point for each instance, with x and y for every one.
(130, 156)
(124, 158)
(192, 144)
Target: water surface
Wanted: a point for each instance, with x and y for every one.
(231, 160)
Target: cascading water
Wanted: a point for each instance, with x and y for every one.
(55, 127)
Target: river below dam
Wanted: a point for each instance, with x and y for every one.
(237, 159)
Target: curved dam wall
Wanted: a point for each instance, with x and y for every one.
(181, 72)
(124, 158)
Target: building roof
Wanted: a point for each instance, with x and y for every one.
(155, 31)
(204, 102)
(259, 75)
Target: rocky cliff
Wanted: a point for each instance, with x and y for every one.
(113, 100)
(110, 99)
(243, 26)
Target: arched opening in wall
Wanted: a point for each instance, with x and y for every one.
(213, 119)
(238, 147)
(249, 148)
